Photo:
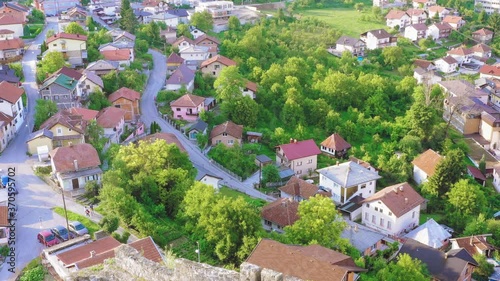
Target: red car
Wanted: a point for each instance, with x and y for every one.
(47, 238)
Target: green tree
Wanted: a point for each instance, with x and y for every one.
(44, 109)
(242, 110)
(404, 269)
(392, 56)
(98, 101)
(50, 64)
(270, 174)
(111, 83)
(448, 171)
(183, 30)
(359, 7)
(229, 84)
(482, 17)
(482, 164)
(75, 28)
(94, 134)
(50, 33)
(92, 190)
(109, 223)
(128, 20)
(36, 16)
(476, 226)
(234, 23)
(464, 200)
(203, 21)
(90, 23)
(494, 21)
(319, 223)
(484, 269)
(154, 128)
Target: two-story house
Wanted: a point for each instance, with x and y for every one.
(347, 180)
(15, 9)
(481, 51)
(446, 64)
(483, 35)
(187, 107)
(461, 55)
(121, 45)
(205, 40)
(300, 156)
(214, 66)
(75, 14)
(183, 42)
(425, 165)
(88, 83)
(73, 166)
(60, 89)
(476, 244)
(11, 103)
(417, 16)
(112, 120)
(167, 18)
(102, 67)
(67, 128)
(12, 23)
(173, 62)
(183, 76)
(335, 145)
(279, 214)
(182, 14)
(10, 48)
(440, 11)
(121, 57)
(393, 210)
(220, 10)
(376, 39)
(353, 45)
(7, 130)
(397, 18)
(128, 100)
(438, 31)
(195, 55)
(416, 32)
(72, 46)
(456, 22)
(227, 133)
(489, 71)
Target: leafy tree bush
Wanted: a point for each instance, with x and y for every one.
(122, 238)
(98, 101)
(92, 191)
(44, 109)
(234, 159)
(270, 174)
(75, 28)
(110, 223)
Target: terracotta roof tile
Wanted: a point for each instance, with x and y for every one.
(125, 93)
(481, 48)
(110, 117)
(227, 127)
(336, 142)
(282, 212)
(427, 161)
(182, 39)
(251, 86)
(395, 14)
(83, 252)
(63, 35)
(399, 198)
(299, 187)
(84, 153)
(4, 216)
(471, 242)
(148, 249)
(415, 12)
(7, 19)
(476, 173)
(483, 32)
(169, 138)
(422, 63)
(218, 58)
(305, 262)
(87, 114)
(95, 260)
(67, 119)
(493, 70)
(206, 37)
(10, 92)
(5, 118)
(188, 100)
(436, 9)
(460, 51)
(449, 60)
(9, 44)
(68, 72)
(452, 19)
(300, 149)
(116, 55)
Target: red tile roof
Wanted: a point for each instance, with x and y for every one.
(169, 138)
(110, 117)
(300, 149)
(427, 161)
(460, 51)
(395, 14)
(116, 55)
(449, 60)
(188, 100)
(4, 216)
(206, 37)
(299, 187)
(452, 19)
(436, 9)
(483, 32)
(471, 243)
(9, 44)
(422, 63)
(5, 118)
(304, 262)
(227, 127)
(476, 173)
(251, 86)
(218, 58)
(64, 157)
(125, 93)
(63, 35)
(10, 92)
(282, 212)
(182, 39)
(148, 249)
(83, 252)
(87, 114)
(7, 19)
(493, 70)
(74, 122)
(481, 48)
(69, 72)
(399, 198)
(336, 142)
(175, 58)
(415, 12)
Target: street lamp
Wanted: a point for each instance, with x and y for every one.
(198, 250)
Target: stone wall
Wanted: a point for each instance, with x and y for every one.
(129, 264)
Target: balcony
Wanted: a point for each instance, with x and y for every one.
(192, 114)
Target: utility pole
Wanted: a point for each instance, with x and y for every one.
(198, 250)
(66, 214)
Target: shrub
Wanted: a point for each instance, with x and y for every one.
(44, 170)
(122, 238)
(110, 223)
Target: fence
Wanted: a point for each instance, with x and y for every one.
(226, 170)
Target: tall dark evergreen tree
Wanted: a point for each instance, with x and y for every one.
(128, 21)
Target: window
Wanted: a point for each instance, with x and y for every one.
(54, 45)
(224, 134)
(88, 87)
(216, 66)
(299, 163)
(217, 141)
(381, 222)
(376, 209)
(413, 215)
(389, 225)
(390, 213)
(309, 161)
(363, 186)
(382, 211)
(373, 218)
(178, 109)
(366, 215)
(367, 205)
(299, 172)
(230, 141)
(59, 131)
(268, 223)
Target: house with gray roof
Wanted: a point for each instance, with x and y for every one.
(183, 76)
(431, 234)
(352, 45)
(365, 240)
(347, 180)
(60, 89)
(102, 67)
(199, 127)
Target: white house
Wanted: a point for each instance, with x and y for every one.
(195, 32)
(88, 83)
(424, 165)
(183, 76)
(416, 32)
(11, 103)
(353, 45)
(211, 180)
(112, 120)
(461, 55)
(439, 30)
(393, 210)
(376, 39)
(447, 64)
(439, 10)
(431, 234)
(417, 16)
(347, 180)
(12, 23)
(397, 18)
(195, 53)
(168, 19)
(496, 177)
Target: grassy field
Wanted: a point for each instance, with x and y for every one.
(346, 20)
(424, 217)
(90, 225)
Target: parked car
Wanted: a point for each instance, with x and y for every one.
(62, 233)
(78, 228)
(47, 238)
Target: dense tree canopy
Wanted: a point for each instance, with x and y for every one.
(44, 109)
(128, 20)
(75, 28)
(404, 269)
(50, 63)
(203, 21)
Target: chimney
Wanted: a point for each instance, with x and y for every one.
(395, 189)
(294, 140)
(445, 255)
(92, 254)
(338, 163)
(470, 241)
(356, 228)
(291, 140)
(406, 200)
(75, 163)
(401, 188)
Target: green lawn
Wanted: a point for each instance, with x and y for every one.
(231, 193)
(346, 20)
(90, 225)
(424, 217)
